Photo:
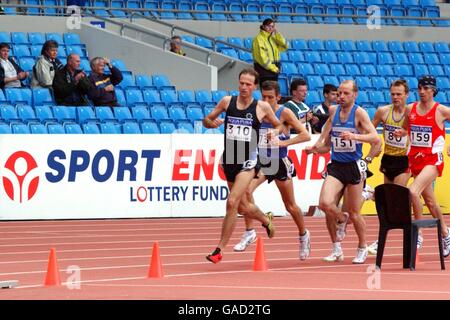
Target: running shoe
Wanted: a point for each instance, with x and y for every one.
(373, 248)
(336, 255)
(247, 238)
(214, 257)
(419, 241)
(305, 245)
(270, 228)
(361, 256)
(446, 244)
(368, 193)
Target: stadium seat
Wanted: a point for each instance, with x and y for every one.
(42, 96)
(194, 114)
(26, 113)
(150, 127)
(162, 82)
(159, 112)
(167, 127)
(141, 113)
(71, 39)
(55, 128)
(134, 97)
(144, 82)
(18, 95)
(104, 114)
(20, 128)
(169, 97)
(110, 128)
(85, 114)
(150, 96)
(8, 113)
(329, 57)
(177, 113)
(380, 46)
(37, 128)
(131, 128)
(72, 128)
(186, 96)
(91, 128)
(122, 114)
(121, 101)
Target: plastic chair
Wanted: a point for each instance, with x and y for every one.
(393, 203)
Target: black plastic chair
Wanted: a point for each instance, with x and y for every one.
(393, 203)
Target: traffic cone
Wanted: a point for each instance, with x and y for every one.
(52, 278)
(155, 270)
(260, 263)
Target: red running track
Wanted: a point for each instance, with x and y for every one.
(113, 257)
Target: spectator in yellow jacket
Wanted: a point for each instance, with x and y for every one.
(267, 46)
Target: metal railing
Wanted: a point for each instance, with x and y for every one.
(129, 11)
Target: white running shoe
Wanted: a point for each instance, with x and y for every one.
(361, 256)
(419, 241)
(341, 228)
(368, 193)
(446, 244)
(247, 238)
(373, 248)
(305, 245)
(336, 255)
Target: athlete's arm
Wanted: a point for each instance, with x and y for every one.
(370, 135)
(269, 115)
(379, 116)
(212, 120)
(323, 144)
(302, 134)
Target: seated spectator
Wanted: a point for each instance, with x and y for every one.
(175, 45)
(70, 84)
(102, 89)
(46, 65)
(10, 72)
(321, 112)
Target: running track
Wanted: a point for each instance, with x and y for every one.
(114, 258)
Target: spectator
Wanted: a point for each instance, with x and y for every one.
(71, 84)
(46, 65)
(175, 45)
(321, 112)
(102, 89)
(266, 49)
(299, 90)
(10, 72)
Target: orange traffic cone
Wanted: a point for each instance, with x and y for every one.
(260, 263)
(155, 270)
(52, 278)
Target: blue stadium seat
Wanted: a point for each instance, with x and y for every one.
(71, 39)
(105, 114)
(403, 70)
(420, 70)
(300, 9)
(329, 57)
(141, 113)
(416, 58)
(426, 47)
(313, 57)
(412, 83)
(201, 6)
(21, 50)
(120, 96)
(72, 128)
(36, 38)
(167, 127)
(380, 46)
(8, 113)
(345, 57)
(312, 98)
(361, 57)
(316, 45)
(26, 113)
(119, 64)
(368, 70)
(144, 82)
(91, 128)
(385, 58)
(55, 36)
(134, 97)
(332, 45)
(76, 50)
(237, 8)
(253, 9)
(379, 83)
(110, 128)
(315, 82)
(5, 37)
(204, 42)
(352, 69)
(5, 128)
(85, 114)
(186, 96)
(289, 68)
(169, 97)
(401, 58)
(377, 98)
(194, 114)
(19, 38)
(411, 46)
(122, 114)
(363, 82)
(35, 50)
(295, 56)
(364, 45)
(321, 69)
(42, 96)
(185, 6)
(64, 113)
(18, 95)
(26, 63)
(436, 70)
(184, 127)
(204, 97)
(44, 114)
(127, 82)
(131, 128)
(159, 112)
(150, 127)
(245, 56)
(217, 95)
(337, 69)
(162, 82)
(149, 5)
(443, 84)
(37, 128)
(363, 98)
(304, 69)
(177, 113)
(257, 95)
(385, 70)
(285, 8)
(150, 96)
(20, 128)
(55, 128)
(217, 7)
(348, 45)
(331, 80)
(431, 58)
(445, 58)
(442, 47)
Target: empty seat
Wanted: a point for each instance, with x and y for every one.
(73, 128)
(122, 114)
(37, 128)
(55, 128)
(91, 128)
(42, 96)
(20, 128)
(131, 128)
(150, 127)
(167, 127)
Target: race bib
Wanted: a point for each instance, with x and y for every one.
(341, 145)
(421, 136)
(362, 166)
(393, 141)
(263, 140)
(239, 129)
